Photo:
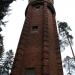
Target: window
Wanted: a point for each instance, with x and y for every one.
(34, 28)
(30, 71)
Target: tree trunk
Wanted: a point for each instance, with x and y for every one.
(70, 45)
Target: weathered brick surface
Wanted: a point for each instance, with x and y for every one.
(40, 49)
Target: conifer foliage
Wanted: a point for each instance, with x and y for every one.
(65, 36)
(1, 46)
(69, 65)
(7, 63)
(4, 4)
(66, 39)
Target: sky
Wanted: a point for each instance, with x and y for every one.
(13, 28)
(65, 11)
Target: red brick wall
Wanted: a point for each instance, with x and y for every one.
(38, 50)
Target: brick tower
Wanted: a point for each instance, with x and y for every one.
(38, 51)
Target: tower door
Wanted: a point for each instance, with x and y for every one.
(30, 71)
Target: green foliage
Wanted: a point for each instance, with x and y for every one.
(64, 34)
(4, 5)
(1, 46)
(7, 63)
(69, 65)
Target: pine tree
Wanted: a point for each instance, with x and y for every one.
(69, 65)
(1, 46)
(7, 65)
(66, 37)
(4, 5)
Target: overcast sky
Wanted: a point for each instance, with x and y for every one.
(64, 12)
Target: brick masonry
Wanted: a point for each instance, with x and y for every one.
(38, 48)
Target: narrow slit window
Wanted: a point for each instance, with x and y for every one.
(34, 28)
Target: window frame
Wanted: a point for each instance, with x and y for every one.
(35, 28)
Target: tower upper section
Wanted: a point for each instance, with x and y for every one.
(51, 1)
(37, 3)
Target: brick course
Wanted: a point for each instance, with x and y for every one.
(38, 49)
